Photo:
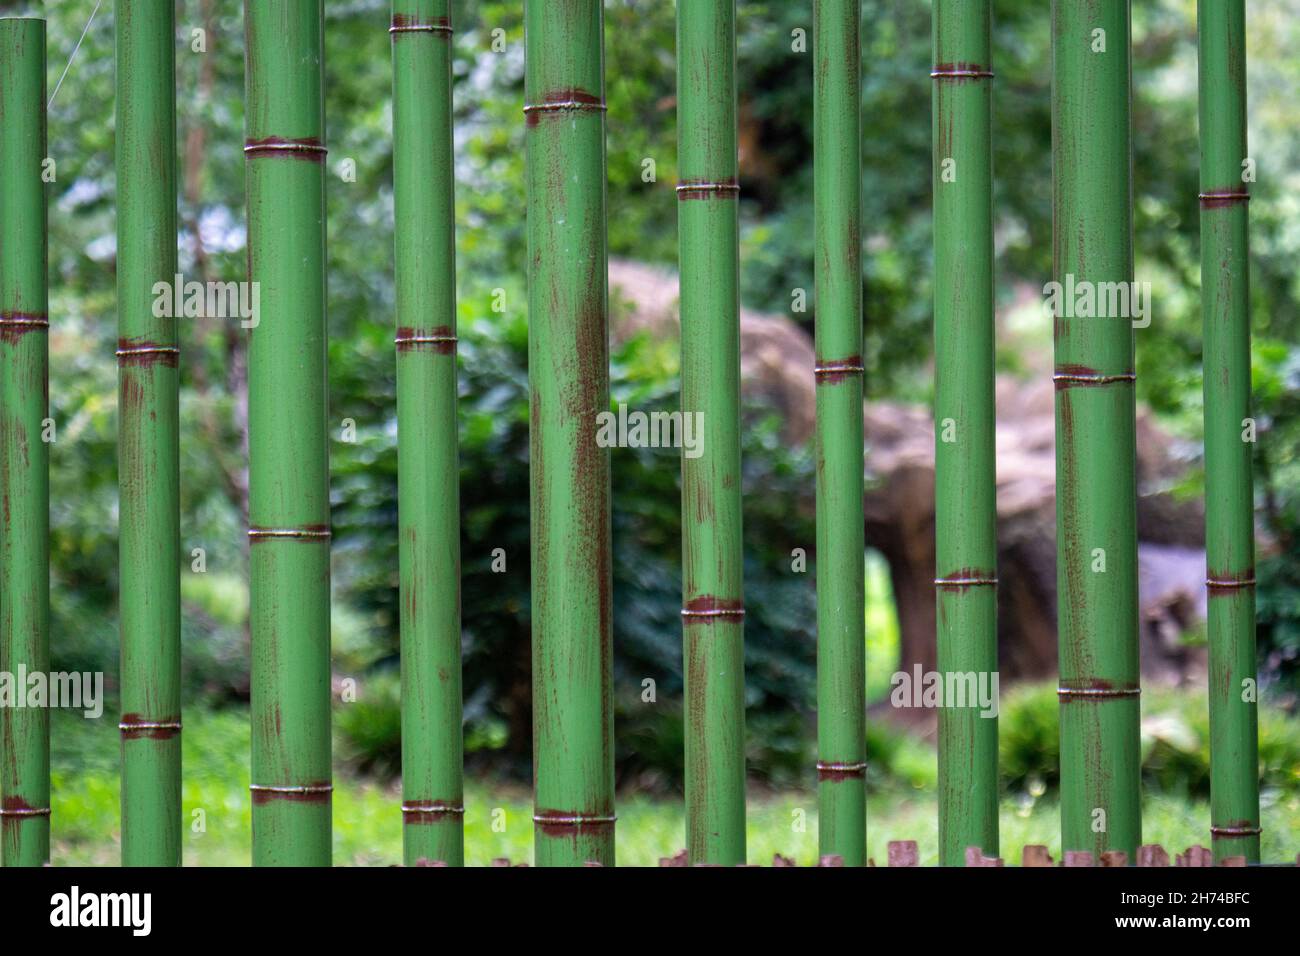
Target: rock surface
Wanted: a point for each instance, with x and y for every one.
(776, 365)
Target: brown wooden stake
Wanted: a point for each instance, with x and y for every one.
(903, 853)
(1035, 854)
(1152, 854)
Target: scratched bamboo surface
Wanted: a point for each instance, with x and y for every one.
(965, 517)
(568, 366)
(713, 615)
(428, 468)
(24, 450)
(838, 374)
(148, 436)
(1229, 487)
(1096, 511)
(289, 515)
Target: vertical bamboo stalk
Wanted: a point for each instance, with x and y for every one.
(24, 454)
(148, 450)
(965, 500)
(712, 585)
(1229, 494)
(568, 373)
(1092, 238)
(428, 471)
(841, 598)
(289, 518)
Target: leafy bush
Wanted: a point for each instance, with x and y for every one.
(1175, 742)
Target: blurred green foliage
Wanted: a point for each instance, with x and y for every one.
(1175, 744)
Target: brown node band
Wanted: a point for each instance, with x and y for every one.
(1235, 831)
(291, 791)
(25, 320)
(824, 369)
(424, 339)
(1225, 197)
(259, 534)
(443, 28)
(835, 768)
(556, 819)
(149, 725)
(1218, 584)
(707, 189)
(284, 147)
(1097, 693)
(24, 811)
(147, 350)
(432, 808)
(723, 613)
(961, 74)
(1066, 379)
(560, 106)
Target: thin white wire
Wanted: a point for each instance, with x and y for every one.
(74, 54)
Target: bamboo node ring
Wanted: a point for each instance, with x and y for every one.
(313, 788)
(560, 106)
(1225, 198)
(422, 339)
(856, 768)
(1079, 378)
(1215, 584)
(25, 321)
(1097, 693)
(312, 149)
(24, 811)
(1235, 831)
(442, 28)
(432, 808)
(964, 582)
(150, 725)
(688, 188)
(961, 74)
(724, 613)
(838, 368)
(148, 350)
(574, 819)
(256, 534)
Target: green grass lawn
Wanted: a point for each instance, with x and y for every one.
(367, 822)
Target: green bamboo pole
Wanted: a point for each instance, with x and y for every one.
(24, 454)
(1095, 443)
(428, 468)
(841, 598)
(568, 373)
(288, 461)
(148, 450)
(1229, 495)
(713, 613)
(965, 500)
